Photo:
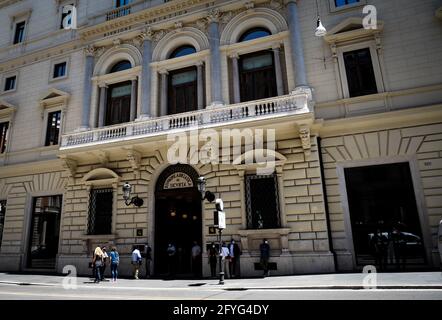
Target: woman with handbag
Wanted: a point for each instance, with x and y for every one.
(97, 262)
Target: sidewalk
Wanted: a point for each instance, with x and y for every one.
(415, 280)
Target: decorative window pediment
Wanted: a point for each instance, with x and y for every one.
(262, 159)
(101, 177)
(6, 109)
(54, 97)
(352, 29)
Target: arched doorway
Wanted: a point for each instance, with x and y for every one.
(178, 220)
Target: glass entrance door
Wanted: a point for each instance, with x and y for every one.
(45, 232)
(384, 217)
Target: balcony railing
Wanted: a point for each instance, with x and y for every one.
(118, 12)
(241, 112)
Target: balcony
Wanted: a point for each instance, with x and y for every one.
(266, 109)
(118, 12)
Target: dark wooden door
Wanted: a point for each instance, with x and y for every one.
(257, 76)
(182, 91)
(118, 105)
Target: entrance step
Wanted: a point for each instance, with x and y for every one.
(43, 264)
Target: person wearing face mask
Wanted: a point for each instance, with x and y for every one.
(264, 248)
(213, 254)
(235, 252)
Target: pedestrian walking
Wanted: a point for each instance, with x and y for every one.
(212, 253)
(97, 262)
(196, 258)
(136, 261)
(105, 261)
(114, 262)
(235, 252)
(148, 253)
(225, 259)
(171, 254)
(264, 249)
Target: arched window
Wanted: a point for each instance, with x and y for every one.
(254, 33)
(182, 51)
(120, 66)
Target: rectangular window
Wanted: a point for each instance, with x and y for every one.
(19, 32)
(4, 126)
(340, 3)
(59, 70)
(360, 74)
(262, 201)
(53, 128)
(121, 3)
(2, 218)
(100, 211)
(10, 83)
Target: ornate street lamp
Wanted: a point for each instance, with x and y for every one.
(320, 29)
(127, 189)
(205, 195)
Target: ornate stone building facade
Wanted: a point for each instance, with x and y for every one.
(356, 118)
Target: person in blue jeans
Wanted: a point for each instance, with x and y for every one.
(115, 261)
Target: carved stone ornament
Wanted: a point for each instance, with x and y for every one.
(214, 15)
(304, 135)
(70, 166)
(134, 158)
(90, 50)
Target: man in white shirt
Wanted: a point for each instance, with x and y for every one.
(225, 257)
(136, 261)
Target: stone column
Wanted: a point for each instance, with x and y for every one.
(164, 87)
(278, 71)
(200, 85)
(133, 99)
(235, 73)
(296, 45)
(102, 108)
(87, 87)
(146, 74)
(215, 57)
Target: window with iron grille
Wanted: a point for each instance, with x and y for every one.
(262, 202)
(100, 211)
(2, 218)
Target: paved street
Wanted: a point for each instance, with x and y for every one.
(404, 286)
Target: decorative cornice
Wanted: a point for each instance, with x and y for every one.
(145, 16)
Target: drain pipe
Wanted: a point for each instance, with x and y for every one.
(327, 212)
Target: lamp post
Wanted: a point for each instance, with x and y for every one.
(218, 223)
(127, 189)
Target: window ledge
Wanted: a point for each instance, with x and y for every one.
(348, 7)
(98, 236)
(278, 231)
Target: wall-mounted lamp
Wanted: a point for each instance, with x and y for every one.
(209, 196)
(136, 201)
(320, 29)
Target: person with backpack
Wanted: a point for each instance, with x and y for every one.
(114, 262)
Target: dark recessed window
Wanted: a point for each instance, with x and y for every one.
(64, 15)
(340, 3)
(262, 202)
(10, 83)
(120, 66)
(360, 74)
(100, 211)
(19, 32)
(59, 70)
(182, 51)
(3, 136)
(121, 3)
(254, 33)
(53, 128)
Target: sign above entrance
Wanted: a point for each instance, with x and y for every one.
(178, 180)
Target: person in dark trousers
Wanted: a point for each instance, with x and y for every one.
(235, 252)
(148, 254)
(171, 257)
(105, 261)
(264, 249)
(97, 262)
(196, 259)
(114, 262)
(212, 252)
